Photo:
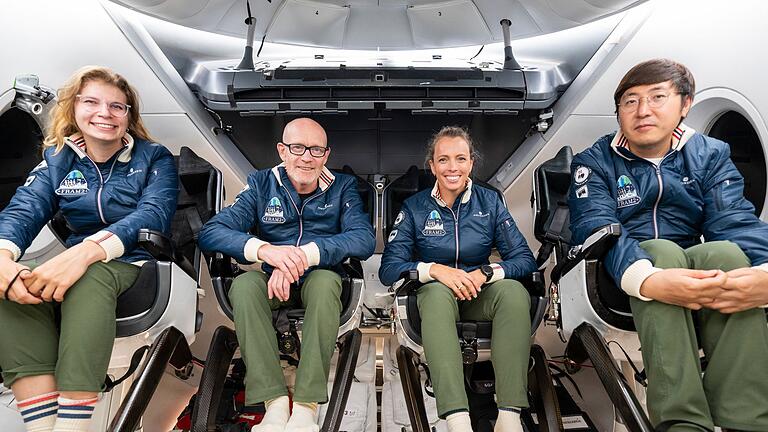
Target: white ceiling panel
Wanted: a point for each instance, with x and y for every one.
(306, 22)
(447, 23)
(381, 24)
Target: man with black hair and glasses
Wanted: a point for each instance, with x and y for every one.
(669, 187)
(307, 221)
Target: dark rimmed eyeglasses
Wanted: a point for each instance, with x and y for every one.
(300, 149)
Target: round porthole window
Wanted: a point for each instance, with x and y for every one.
(21, 138)
(746, 153)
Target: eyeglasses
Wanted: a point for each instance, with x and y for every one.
(92, 104)
(300, 149)
(655, 100)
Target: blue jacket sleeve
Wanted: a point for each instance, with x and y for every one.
(227, 232)
(31, 207)
(399, 253)
(517, 258)
(356, 238)
(727, 214)
(592, 206)
(157, 203)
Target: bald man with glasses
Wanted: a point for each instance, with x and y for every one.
(300, 222)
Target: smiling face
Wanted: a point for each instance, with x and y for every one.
(649, 129)
(303, 170)
(98, 125)
(451, 164)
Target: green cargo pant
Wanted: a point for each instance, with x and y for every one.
(505, 302)
(320, 296)
(733, 392)
(78, 353)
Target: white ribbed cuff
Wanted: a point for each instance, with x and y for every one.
(635, 275)
(312, 252)
(763, 267)
(423, 269)
(498, 273)
(11, 247)
(110, 242)
(251, 250)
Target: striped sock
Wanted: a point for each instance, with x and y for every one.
(39, 412)
(74, 415)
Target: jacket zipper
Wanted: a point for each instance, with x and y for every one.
(658, 198)
(98, 193)
(456, 230)
(719, 198)
(300, 211)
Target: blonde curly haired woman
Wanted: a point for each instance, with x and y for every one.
(57, 321)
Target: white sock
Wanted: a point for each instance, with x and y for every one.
(509, 420)
(39, 412)
(459, 422)
(74, 414)
(276, 417)
(303, 418)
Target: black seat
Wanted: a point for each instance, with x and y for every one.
(224, 270)
(287, 322)
(162, 302)
(586, 301)
(552, 180)
(415, 180)
(141, 306)
(474, 336)
(367, 193)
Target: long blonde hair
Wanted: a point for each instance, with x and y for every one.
(63, 122)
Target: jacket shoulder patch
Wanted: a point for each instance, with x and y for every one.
(581, 174)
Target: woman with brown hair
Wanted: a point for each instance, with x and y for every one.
(446, 234)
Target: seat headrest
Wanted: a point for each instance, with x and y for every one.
(552, 179)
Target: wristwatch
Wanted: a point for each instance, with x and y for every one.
(487, 271)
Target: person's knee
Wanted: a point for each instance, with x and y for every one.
(665, 253)
(245, 286)
(435, 292)
(511, 296)
(729, 254)
(323, 287)
(98, 281)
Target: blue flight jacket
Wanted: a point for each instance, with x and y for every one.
(427, 231)
(331, 222)
(694, 191)
(136, 188)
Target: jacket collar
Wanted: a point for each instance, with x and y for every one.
(324, 181)
(680, 136)
(464, 198)
(77, 143)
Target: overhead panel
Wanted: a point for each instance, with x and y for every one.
(451, 23)
(306, 22)
(381, 24)
(384, 27)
